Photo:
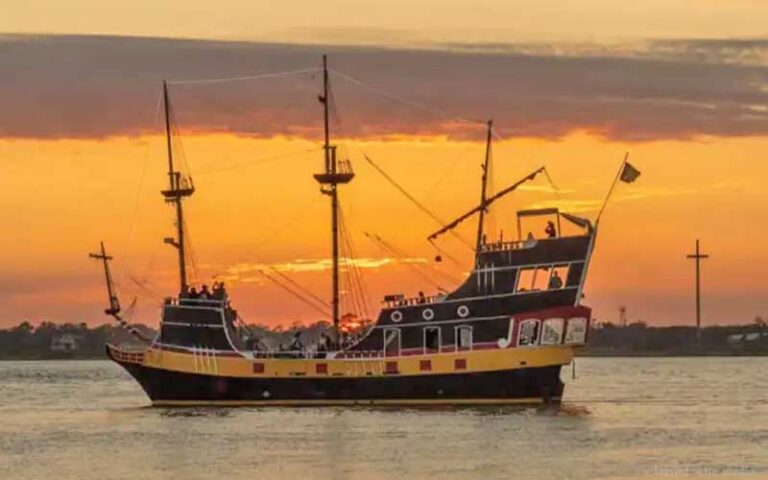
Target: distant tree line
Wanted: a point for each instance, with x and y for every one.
(640, 339)
(50, 340)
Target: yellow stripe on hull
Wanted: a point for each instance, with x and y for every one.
(440, 364)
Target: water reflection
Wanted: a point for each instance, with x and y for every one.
(622, 418)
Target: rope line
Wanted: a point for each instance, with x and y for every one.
(418, 204)
(298, 286)
(406, 101)
(258, 161)
(294, 293)
(140, 190)
(209, 81)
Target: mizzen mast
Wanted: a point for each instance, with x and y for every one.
(179, 187)
(335, 173)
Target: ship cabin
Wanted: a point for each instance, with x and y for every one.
(521, 292)
(200, 326)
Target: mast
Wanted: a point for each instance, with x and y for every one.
(114, 302)
(488, 202)
(329, 181)
(178, 188)
(484, 187)
(326, 124)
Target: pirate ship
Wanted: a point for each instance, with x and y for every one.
(501, 337)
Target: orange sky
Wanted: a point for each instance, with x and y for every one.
(248, 213)
(83, 161)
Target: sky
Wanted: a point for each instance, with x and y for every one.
(82, 156)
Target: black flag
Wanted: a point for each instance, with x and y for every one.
(629, 174)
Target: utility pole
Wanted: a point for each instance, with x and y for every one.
(698, 257)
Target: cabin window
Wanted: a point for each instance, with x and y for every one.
(463, 338)
(558, 277)
(431, 339)
(533, 279)
(552, 331)
(391, 342)
(529, 332)
(576, 330)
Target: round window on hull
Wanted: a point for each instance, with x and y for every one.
(428, 314)
(462, 311)
(396, 316)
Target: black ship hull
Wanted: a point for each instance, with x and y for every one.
(536, 385)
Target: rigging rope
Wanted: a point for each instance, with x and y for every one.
(445, 254)
(300, 287)
(140, 189)
(294, 293)
(418, 204)
(195, 273)
(207, 81)
(258, 161)
(390, 250)
(406, 101)
(360, 294)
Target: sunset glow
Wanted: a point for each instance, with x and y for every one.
(83, 157)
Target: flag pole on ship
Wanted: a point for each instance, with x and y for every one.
(627, 174)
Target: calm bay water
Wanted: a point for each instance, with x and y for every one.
(622, 418)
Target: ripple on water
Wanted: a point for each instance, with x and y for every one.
(621, 418)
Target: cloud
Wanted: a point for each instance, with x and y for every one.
(98, 86)
(318, 265)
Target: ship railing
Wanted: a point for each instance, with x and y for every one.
(315, 355)
(197, 302)
(503, 246)
(407, 302)
(127, 354)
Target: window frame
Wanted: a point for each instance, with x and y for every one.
(537, 337)
(426, 350)
(457, 337)
(385, 344)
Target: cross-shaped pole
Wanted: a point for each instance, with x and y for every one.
(698, 256)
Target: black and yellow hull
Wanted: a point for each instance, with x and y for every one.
(492, 377)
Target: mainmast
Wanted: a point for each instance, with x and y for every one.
(179, 187)
(484, 187)
(335, 173)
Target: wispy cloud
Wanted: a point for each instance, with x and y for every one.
(79, 86)
(318, 265)
(544, 189)
(573, 205)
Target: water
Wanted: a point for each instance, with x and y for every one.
(621, 419)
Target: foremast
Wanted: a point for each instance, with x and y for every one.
(335, 174)
(178, 188)
(114, 302)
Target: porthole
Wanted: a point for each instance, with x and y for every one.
(462, 311)
(428, 314)
(396, 316)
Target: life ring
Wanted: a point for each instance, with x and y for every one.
(396, 316)
(462, 311)
(428, 314)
